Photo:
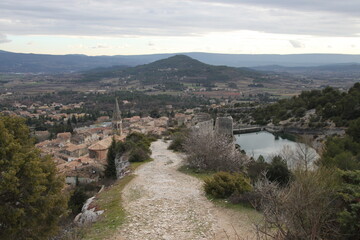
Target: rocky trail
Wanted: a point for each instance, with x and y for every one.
(163, 203)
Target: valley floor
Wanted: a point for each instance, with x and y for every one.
(163, 203)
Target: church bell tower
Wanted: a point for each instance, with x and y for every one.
(116, 119)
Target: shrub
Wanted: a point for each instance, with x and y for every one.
(224, 184)
(138, 155)
(251, 199)
(304, 209)
(77, 200)
(349, 217)
(278, 171)
(255, 169)
(209, 153)
(177, 143)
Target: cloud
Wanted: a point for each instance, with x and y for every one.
(151, 44)
(351, 7)
(178, 18)
(100, 46)
(296, 44)
(4, 39)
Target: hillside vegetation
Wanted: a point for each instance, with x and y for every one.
(329, 103)
(179, 68)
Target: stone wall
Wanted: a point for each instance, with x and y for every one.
(224, 126)
(205, 127)
(121, 164)
(200, 117)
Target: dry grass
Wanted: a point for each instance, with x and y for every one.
(110, 200)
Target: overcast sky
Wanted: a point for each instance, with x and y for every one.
(113, 27)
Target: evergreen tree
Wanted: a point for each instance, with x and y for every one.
(31, 200)
(74, 120)
(69, 127)
(278, 171)
(110, 170)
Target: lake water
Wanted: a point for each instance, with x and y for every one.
(263, 143)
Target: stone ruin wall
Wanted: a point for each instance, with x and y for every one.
(206, 127)
(223, 126)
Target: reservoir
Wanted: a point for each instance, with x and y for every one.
(264, 143)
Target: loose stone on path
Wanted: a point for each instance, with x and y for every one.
(163, 203)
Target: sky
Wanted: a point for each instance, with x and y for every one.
(130, 27)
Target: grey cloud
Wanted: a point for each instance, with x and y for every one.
(345, 6)
(4, 39)
(99, 46)
(296, 44)
(173, 18)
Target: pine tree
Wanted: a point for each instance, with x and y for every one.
(31, 200)
(69, 127)
(74, 120)
(110, 170)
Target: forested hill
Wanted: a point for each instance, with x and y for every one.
(179, 68)
(329, 103)
(340, 68)
(47, 63)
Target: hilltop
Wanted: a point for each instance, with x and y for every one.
(180, 68)
(47, 63)
(176, 73)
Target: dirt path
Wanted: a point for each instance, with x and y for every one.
(164, 203)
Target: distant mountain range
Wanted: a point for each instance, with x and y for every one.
(334, 68)
(175, 69)
(37, 63)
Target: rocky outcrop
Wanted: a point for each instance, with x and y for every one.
(122, 165)
(88, 214)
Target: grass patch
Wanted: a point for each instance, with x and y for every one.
(114, 215)
(202, 175)
(110, 200)
(135, 165)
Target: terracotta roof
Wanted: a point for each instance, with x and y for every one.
(105, 143)
(98, 146)
(72, 147)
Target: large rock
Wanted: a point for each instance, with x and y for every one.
(87, 215)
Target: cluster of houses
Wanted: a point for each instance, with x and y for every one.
(81, 155)
(51, 111)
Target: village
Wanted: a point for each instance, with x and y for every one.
(81, 155)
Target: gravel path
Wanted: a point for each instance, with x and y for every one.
(163, 203)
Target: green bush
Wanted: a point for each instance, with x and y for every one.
(278, 171)
(224, 184)
(77, 200)
(138, 155)
(349, 217)
(177, 143)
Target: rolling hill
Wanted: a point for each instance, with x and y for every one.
(46, 63)
(180, 69)
(333, 68)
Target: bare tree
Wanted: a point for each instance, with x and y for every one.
(305, 156)
(302, 157)
(208, 152)
(306, 209)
